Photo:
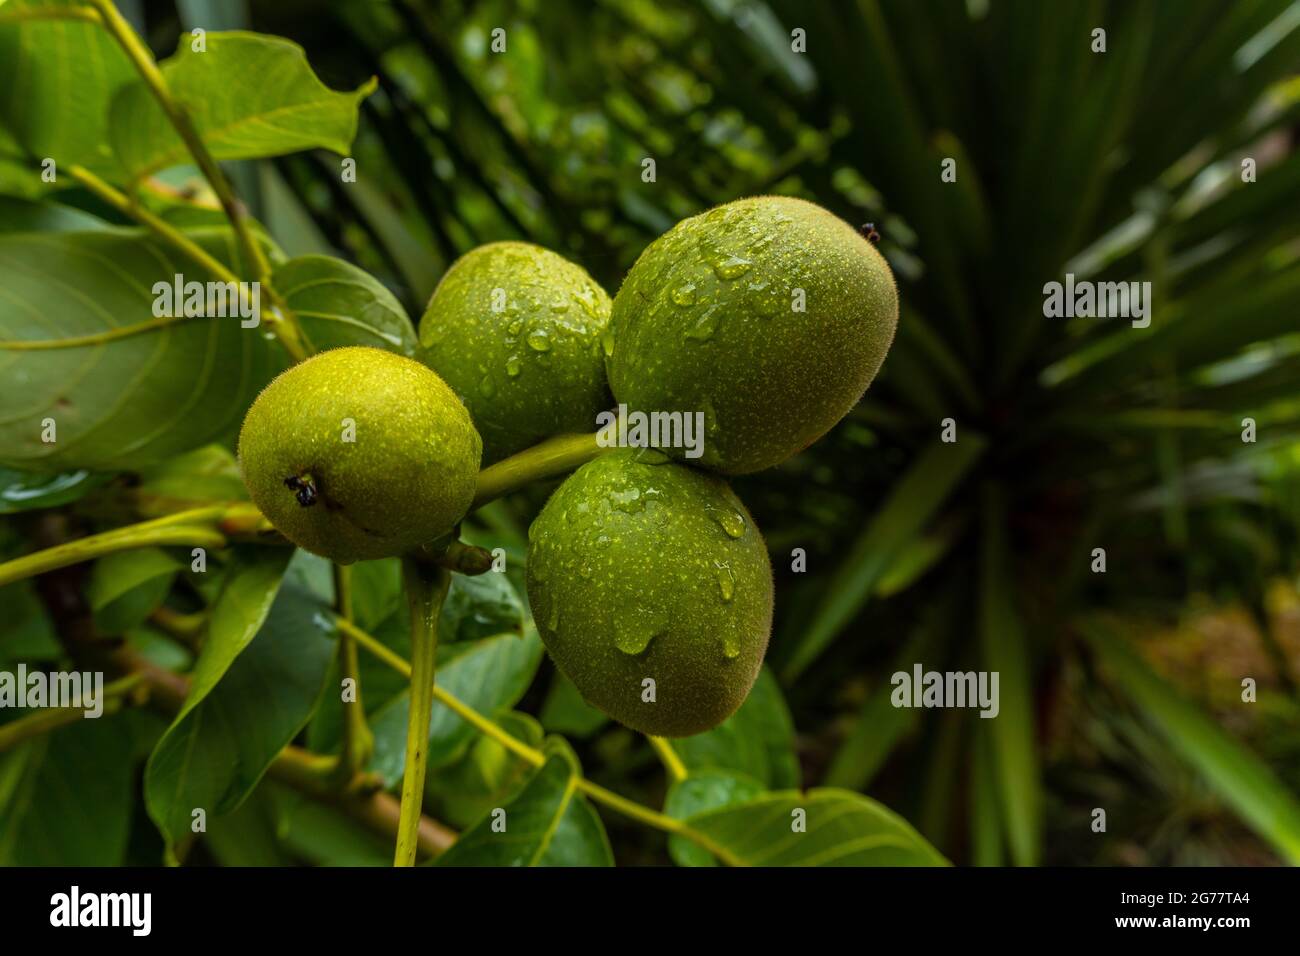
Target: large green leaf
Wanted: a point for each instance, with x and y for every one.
(1243, 780)
(339, 304)
(840, 829)
(66, 798)
(757, 740)
(216, 752)
(57, 79)
(144, 388)
(247, 95)
(548, 824)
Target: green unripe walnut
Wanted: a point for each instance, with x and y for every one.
(516, 330)
(770, 316)
(640, 568)
(358, 453)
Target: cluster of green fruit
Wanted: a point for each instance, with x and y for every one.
(649, 583)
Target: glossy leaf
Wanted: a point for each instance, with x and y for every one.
(840, 829)
(700, 792)
(216, 751)
(247, 95)
(339, 304)
(548, 824)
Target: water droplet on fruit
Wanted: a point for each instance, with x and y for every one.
(730, 646)
(487, 388)
(553, 619)
(633, 638)
(539, 340)
(607, 343)
(726, 582)
(730, 266)
(513, 365)
(704, 328)
(628, 500)
(603, 541)
(515, 327)
(560, 305)
(732, 523)
(684, 295)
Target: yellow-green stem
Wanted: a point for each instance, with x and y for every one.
(358, 741)
(483, 725)
(668, 757)
(555, 456)
(195, 528)
(426, 588)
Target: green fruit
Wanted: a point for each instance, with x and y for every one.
(358, 453)
(639, 567)
(708, 321)
(516, 330)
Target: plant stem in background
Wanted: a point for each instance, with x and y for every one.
(426, 588)
(549, 458)
(358, 741)
(535, 757)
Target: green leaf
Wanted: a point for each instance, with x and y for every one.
(1006, 651)
(248, 96)
(565, 712)
(66, 798)
(701, 792)
(913, 501)
(24, 215)
(26, 631)
(236, 617)
(217, 750)
(248, 835)
(206, 474)
(154, 389)
(548, 824)
(480, 606)
(757, 740)
(489, 675)
(57, 78)
(841, 829)
(25, 491)
(487, 776)
(127, 586)
(325, 835)
(338, 304)
(1243, 780)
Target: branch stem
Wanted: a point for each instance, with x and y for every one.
(196, 528)
(483, 725)
(114, 695)
(426, 589)
(668, 757)
(358, 741)
(554, 456)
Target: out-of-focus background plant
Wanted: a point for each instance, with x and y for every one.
(1120, 690)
